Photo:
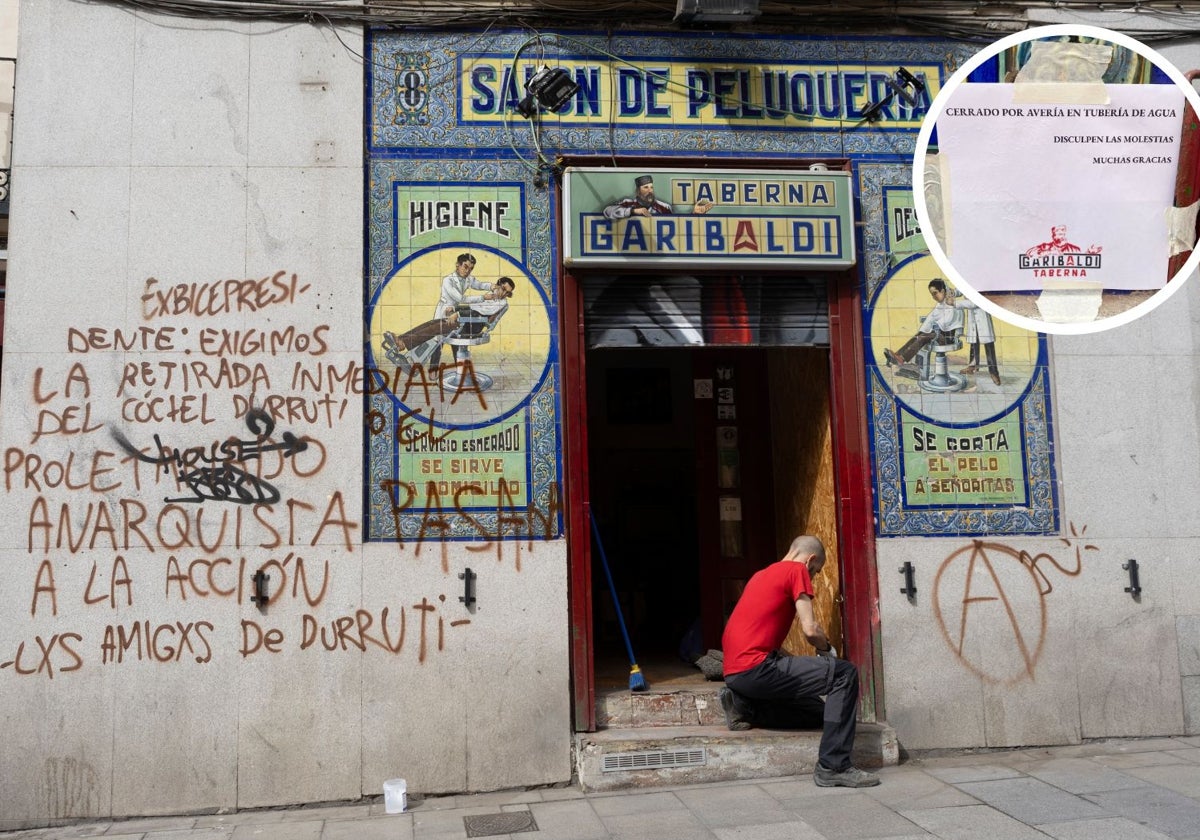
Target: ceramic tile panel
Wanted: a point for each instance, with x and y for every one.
(454, 168)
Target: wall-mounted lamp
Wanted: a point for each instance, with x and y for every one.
(903, 84)
(548, 89)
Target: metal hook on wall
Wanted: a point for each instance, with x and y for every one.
(910, 584)
(468, 579)
(261, 597)
(1135, 587)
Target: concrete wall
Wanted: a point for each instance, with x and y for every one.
(138, 676)
(8, 49)
(1055, 651)
(1034, 641)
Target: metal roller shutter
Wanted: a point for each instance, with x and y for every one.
(677, 310)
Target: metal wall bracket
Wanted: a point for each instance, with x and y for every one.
(468, 579)
(910, 583)
(1135, 587)
(260, 597)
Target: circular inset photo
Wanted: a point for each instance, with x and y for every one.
(1050, 182)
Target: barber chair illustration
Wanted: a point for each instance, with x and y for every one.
(933, 366)
(474, 328)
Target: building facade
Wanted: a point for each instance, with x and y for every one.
(303, 496)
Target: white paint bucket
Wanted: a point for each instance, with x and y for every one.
(395, 796)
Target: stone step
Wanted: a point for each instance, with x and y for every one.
(641, 757)
(690, 704)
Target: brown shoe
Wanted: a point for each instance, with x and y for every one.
(969, 369)
(892, 358)
(996, 377)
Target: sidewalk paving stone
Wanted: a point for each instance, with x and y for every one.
(1033, 801)
(141, 825)
(972, 822)
(241, 818)
(1082, 775)
(1164, 810)
(446, 823)
(1183, 779)
(959, 774)
(857, 816)
(1114, 827)
(1138, 789)
(1131, 760)
(291, 830)
(567, 820)
(794, 830)
(795, 793)
(739, 805)
(354, 811)
(391, 827)
(645, 803)
(900, 789)
(674, 824)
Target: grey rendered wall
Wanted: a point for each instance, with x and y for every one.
(137, 675)
(1001, 648)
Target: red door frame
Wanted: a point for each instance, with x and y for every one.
(577, 500)
(852, 481)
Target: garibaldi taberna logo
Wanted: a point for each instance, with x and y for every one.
(1059, 257)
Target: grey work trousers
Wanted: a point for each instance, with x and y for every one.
(783, 692)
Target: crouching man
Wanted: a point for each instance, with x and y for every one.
(765, 687)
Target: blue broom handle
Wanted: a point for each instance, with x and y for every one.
(611, 587)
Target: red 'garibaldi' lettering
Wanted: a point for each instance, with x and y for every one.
(1060, 272)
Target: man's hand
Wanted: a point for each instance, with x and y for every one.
(702, 206)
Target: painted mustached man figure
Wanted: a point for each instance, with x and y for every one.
(644, 203)
(665, 309)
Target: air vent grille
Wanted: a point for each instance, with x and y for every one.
(654, 760)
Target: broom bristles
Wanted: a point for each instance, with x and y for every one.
(637, 682)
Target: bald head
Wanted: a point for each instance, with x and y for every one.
(807, 549)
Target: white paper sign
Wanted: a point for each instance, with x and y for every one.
(1059, 196)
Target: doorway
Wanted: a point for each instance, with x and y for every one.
(805, 380)
(704, 463)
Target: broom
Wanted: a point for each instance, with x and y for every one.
(637, 682)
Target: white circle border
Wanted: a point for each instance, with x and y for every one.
(935, 249)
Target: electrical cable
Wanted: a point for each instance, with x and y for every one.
(980, 20)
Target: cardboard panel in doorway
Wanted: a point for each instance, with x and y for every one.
(805, 501)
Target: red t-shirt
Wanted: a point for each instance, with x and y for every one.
(763, 615)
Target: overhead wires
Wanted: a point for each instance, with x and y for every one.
(1152, 20)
